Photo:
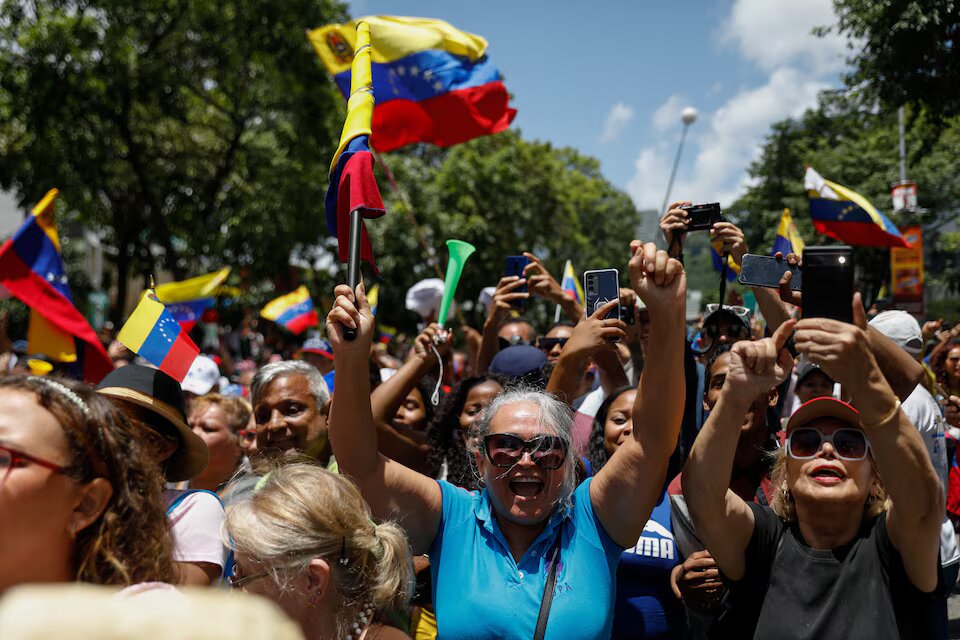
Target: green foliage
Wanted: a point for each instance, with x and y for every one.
(908, 50)
(504, 195)
(192, 133)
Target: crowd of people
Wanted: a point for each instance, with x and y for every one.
(652, 476)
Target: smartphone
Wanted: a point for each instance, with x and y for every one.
(600, 286)
(514, 267)
(827, 289)
(766, 271)
(702, 217)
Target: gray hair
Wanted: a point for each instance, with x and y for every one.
(269, 373)
(556, 417)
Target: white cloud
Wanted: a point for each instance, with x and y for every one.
(667, 115)
(773, 33)
(618, 118)
(776, 35)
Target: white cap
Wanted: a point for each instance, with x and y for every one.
(486, 296)
(902, 328)
(425, 296)
(202, 376)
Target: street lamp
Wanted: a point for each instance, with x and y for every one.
(688, 116)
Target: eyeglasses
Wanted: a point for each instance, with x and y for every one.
(735, 309)
(506, 450)
(547, 344)
(237, 583)
(511, 342)
(246, 436)
(850, 444)
(9, 458)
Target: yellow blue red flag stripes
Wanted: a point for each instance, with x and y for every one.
(435, 83)
(733, 269)
(846, 215)
(293, 311)
(154, 334)
(32, 270)
(186, 300)
(571, 284)
(788, 239)
(352, 185)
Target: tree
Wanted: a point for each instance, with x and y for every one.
(906, 51)
(191, 133)
(504, 195)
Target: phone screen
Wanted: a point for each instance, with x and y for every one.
(600, 286)
(514, 267)
(766, 271)
(827, 290)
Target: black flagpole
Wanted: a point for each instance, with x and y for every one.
(353, 261)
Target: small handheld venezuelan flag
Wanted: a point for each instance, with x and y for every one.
(293, 311)
(570, 285)
(154, 334)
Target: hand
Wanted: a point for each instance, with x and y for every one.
(760, 365)
(787, 294)
(930, 329)
(346, 314)
(733, 241)
(842, 350)
(697, 582)
(658, 279)
(505, 293)
(432, 336)
(951, 410)
(540, 282)
(673, 225)
(595, 333)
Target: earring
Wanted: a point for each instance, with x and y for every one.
(314, 600)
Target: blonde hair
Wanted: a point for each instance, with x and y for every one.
(302, 511)
(783, 503)
(236, 409)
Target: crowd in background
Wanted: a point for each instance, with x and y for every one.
(737, 474)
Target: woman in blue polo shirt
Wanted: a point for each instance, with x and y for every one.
(531, 545)
(646, 606)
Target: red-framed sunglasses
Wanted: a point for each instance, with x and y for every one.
(10, 457)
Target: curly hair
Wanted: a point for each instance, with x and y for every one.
(130, 541)
(783, 503)
(596, 446)
(446, 442)
(938, 363)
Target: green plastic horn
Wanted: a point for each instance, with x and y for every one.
(459, 252)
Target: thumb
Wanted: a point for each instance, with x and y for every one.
(362, 297)
(782, 334)
(859, 315)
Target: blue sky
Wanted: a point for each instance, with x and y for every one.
(610, 78)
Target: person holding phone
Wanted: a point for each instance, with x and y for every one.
(531, 542)
(840, 553)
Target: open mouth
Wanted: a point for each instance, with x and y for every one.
(827, 475)
(526, 487)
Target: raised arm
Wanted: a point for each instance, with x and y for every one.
(625, 491)
(391, 489)
(913, 488)
(546, 286)
(723, 520)
(499, 311)
(408, 448)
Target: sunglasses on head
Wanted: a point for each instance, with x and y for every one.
(506, 450)
(712, 331)
(547, 344)
(849, 444)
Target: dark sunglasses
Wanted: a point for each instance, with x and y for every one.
(506, 450)
(547, 344)
(850, 444)
(734, 331)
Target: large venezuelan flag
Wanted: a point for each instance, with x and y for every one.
(154, 334)
(788, 238)
(846, 215)
(352, 185)
(293, 311)
(434, 82)
(31, 268)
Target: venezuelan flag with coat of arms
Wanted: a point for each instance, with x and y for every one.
(845, 215)
(154, 334)
(434, 82)
(293, 311)
(31, 268)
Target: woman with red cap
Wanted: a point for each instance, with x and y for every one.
(838, 554)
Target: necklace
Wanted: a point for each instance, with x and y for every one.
(364, 617)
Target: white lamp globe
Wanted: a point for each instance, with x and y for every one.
(688, 115)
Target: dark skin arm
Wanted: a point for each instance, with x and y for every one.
(499, 312)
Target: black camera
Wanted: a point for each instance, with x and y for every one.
(702, 217)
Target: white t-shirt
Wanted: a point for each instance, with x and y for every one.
(924, 412)
(197, 523)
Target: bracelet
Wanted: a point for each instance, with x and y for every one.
(887, 418)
